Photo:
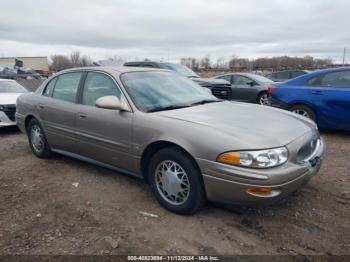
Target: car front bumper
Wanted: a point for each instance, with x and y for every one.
(5, 121)
(229, 184)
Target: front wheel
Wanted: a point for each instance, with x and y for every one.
(37, 140)
(304, 111)
(176, 181)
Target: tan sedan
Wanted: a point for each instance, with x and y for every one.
(158, 125)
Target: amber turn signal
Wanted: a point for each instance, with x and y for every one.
(262, 191)
(230, 158)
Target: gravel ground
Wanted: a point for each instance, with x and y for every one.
(64, 206)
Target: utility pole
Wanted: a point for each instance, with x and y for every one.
(344, 54)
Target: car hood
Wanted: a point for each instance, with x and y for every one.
(9, 98)
(254, 126)
(211, 81)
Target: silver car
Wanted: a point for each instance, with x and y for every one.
(10, 90)
(247, 87)
(189, 145)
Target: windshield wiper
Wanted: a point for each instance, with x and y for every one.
(207, 101)
(167, 108)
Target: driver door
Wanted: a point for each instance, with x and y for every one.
(242, 89)
(102, 134)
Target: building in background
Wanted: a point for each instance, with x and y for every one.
(37, 63)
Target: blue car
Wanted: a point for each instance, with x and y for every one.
(323, 96)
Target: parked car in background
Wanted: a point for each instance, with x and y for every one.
(323, 96)
(282, 76)
(248, 87)
(7, 73)
(9, 92)
(219, 88)
(156, 124)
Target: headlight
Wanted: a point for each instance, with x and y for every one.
(256, 159)
(2, 108)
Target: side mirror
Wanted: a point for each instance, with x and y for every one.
(251, 83)
(111, 102)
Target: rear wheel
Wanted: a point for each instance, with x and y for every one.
(37, 139)
(176, 181)
(263, 99)
(304, 111)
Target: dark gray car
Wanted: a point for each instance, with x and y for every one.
(285, 75)
(248, 87)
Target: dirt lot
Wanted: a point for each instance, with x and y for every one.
(41, 212)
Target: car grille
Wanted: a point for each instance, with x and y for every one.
(10, 111)
(222, 91)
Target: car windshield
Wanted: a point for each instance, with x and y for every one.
(261, 79)
(11, 87)
(181, 69)
(157, 91)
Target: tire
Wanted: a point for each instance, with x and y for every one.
(304, 111)
(263, 99)
(37, 140)
(166, 184)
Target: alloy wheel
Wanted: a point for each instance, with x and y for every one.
(301, 112)
(264, 99)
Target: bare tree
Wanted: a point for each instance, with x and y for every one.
(205, 62)
(75, 58)
(60, 62)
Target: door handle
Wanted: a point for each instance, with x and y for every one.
(317, 93)
(82, 116)
(41, 106)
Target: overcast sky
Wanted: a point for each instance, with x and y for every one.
(162, 29)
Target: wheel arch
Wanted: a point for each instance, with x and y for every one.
(260, 93)
(154, 147)
(27, 119)
(303, 103)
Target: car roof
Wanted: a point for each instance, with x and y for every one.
(238, 73)
(112, 69)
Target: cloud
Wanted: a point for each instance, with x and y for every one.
(160, 28)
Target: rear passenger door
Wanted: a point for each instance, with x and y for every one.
(103, 134)
(330, 93)
(58, 109)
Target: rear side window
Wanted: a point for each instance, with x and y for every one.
(297, 73)
(66, 87)
(282, 75)
(336, 79)
(98, 85)
(49, 87)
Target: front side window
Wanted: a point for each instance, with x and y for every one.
(226, 77)
(49, 87)
(241, 80)
(67, 86)
(96, 86)
(160, 90)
